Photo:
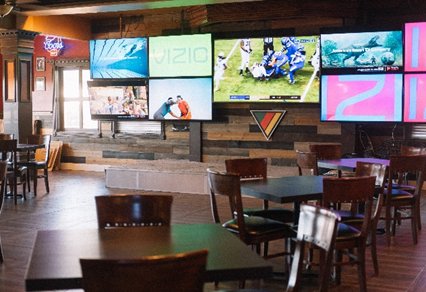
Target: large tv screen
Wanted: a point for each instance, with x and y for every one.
(180, 99)
(119, 58)
(361, 52)
(415, 47)
(361, 98)
(415, 98)
(180, 55)
(266, 69)
(110, 100)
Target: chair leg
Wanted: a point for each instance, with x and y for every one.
(374, 252)
(46, 179)
(361, 268)
(1, 253)
(388, 225)
(35, 181)
(395, 219)
(414, 225)
(338, 268)
(265, 249)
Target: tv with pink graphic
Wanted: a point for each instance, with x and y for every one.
(415, 47)
(361, 98)
(415, 98)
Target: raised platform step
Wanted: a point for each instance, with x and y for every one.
(171, 175)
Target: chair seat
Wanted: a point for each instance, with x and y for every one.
(277, 214)
(405, 187)
(348, 217)
(346, 232)
(400, 194)
(259, 225)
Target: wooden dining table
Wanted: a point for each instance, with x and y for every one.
(349, 164)
(286, 189)
(54, 263)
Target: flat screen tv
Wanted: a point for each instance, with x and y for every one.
(415, 47)
(180, 99)
(180, 55)
(415, 98)
(361, 98)
(122, 100)
(119, 58)
(266, 69)
(362, 52)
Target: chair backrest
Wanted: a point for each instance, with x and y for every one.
(8, 150)
(412, 150)
(182, 272)
(353, 190)
(327, 151)
(400, 164)
(5, 136)
(228, 185)
(379, 171)
(128, 210)
(372, 169)
(248, 168)
(307, 163)
(41, 139)
(317, 226)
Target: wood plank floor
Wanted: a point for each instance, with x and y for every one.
(70, 204)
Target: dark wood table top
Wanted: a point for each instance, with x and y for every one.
(54, 263)
(287, 189)
(349, 164)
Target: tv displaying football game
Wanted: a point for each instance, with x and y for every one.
(118, 58)
(110, 100)
(362, 52)
(180, 55)
(180, 99)
(266, 69)
(361, 98)
(415, 47)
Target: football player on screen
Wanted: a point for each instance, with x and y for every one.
(245, 50)
(219, 69)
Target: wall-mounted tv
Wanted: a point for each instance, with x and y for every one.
(361, 98)
(111, 100)
(119, 58)
(362, 52)
(415, 47)
(266, 69)
(180, 99)
(415, 98)
(180, 55)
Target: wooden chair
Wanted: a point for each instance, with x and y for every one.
(34, 165)
(256, 169)
(355, 218)
(317, 227)
(3, 169)
(253, 230)
(402, 180)
(307, 163)
(397, 199)
(128, 210)
(183, 272)
(15, 175)
(329, 151)
(353, 191)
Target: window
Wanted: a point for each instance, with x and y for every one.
(74, 99)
